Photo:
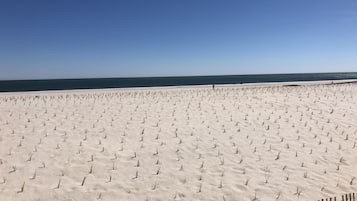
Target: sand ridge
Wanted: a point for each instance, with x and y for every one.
(231, 143)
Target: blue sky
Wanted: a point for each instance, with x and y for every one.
(104, 38)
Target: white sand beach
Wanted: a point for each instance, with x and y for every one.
(263, 142)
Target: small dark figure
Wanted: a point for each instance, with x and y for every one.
(213, 86)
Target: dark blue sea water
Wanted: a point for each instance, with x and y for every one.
(98, 83)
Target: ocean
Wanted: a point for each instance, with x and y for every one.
(100, 83)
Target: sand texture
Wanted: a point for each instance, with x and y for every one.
(232, 143)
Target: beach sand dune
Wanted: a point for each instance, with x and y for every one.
(231, 143)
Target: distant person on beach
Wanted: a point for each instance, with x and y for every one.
(213, 86)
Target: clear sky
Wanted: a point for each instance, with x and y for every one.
(104, 38)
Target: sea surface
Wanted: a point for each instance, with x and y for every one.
(100, 83)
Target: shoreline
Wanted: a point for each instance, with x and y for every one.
(125, 89)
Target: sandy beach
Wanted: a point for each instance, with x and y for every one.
(263, 142)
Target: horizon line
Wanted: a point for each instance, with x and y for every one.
(173, 76)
